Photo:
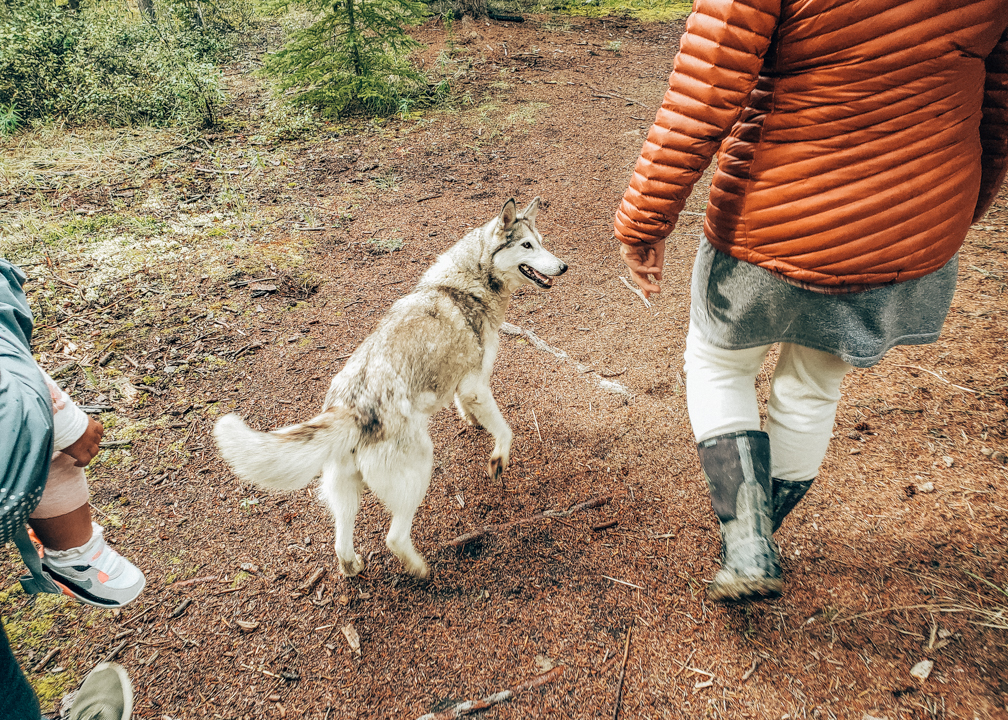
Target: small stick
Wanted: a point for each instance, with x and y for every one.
(181, 608)
(211, 171)
(192, 581)
(311, 581)
(473, 706)
(536, 425)
(605, 525)
(425, 198)
(614, 96)
(931, 372)
(115, 652)
(635, 291)
(623, 582)
(622, 674)
(748, 673)
(40, 665)
(683, 666)
(488, 529)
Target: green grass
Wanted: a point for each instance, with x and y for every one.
(643, 10)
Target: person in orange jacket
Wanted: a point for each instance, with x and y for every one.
(856, 143)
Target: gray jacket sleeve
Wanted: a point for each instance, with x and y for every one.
(26, 418)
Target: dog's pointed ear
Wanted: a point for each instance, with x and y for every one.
(509, 213)
(532, 210)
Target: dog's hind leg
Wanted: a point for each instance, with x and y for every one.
(341, 487)
(399, 475)
(475, 398)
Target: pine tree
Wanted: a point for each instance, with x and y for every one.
(354, 57)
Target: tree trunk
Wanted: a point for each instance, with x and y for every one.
(354, 50)
(146, 8)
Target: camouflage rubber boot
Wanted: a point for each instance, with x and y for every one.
(737, 469)
(787, 494)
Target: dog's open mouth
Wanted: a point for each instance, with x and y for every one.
(543, 281)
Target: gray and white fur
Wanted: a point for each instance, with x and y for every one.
(436, 344)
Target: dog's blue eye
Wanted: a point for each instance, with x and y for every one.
(527, 245)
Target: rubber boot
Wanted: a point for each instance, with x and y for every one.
(787, 494)
(737, 469)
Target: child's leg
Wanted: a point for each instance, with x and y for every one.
(62, 519)
(803, 401)
(76, 557)
(721, 387)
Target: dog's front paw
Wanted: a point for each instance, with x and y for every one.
(496, 467)
(418, 567)
(351, 568)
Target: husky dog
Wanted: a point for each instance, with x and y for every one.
(437, 343)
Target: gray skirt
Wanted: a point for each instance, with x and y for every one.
(736, 305)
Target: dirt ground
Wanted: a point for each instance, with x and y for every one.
(177, 277)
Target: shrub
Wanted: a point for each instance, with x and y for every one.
(101, 64)
(353, 57)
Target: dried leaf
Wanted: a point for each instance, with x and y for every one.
(922, 670)
(247, 626)
(352, 638)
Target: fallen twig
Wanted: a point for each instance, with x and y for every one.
(622, 582)
(473, 706)
(931, 372)
(211, 171)
(614, 96)
(40, 665)
(115, 651)
(488, 529)
(310, 583)
(622, 673)
(243, 283)
(425, 198)
(181, 608)
(192, 581)
(748, 673)
(635, 291)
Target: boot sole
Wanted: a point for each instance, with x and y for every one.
(742, 590)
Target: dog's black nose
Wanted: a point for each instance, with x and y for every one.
(563, 268)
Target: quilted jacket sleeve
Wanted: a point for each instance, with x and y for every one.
(994, 127)
(720, 57)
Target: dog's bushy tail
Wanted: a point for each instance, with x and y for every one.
(288, 458)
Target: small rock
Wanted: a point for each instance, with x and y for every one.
(247, 626)
(854, 451)
(986, 452)
(869, 716)
(922, 670)
(948, 460)
(927, 487)
(250, 567)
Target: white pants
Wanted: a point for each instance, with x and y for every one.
(804, 392)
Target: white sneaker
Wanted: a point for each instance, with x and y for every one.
(94, 573)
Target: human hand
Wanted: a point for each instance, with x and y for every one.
(644, 260)
(86, 446)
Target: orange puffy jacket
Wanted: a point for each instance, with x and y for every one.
(865, 137)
